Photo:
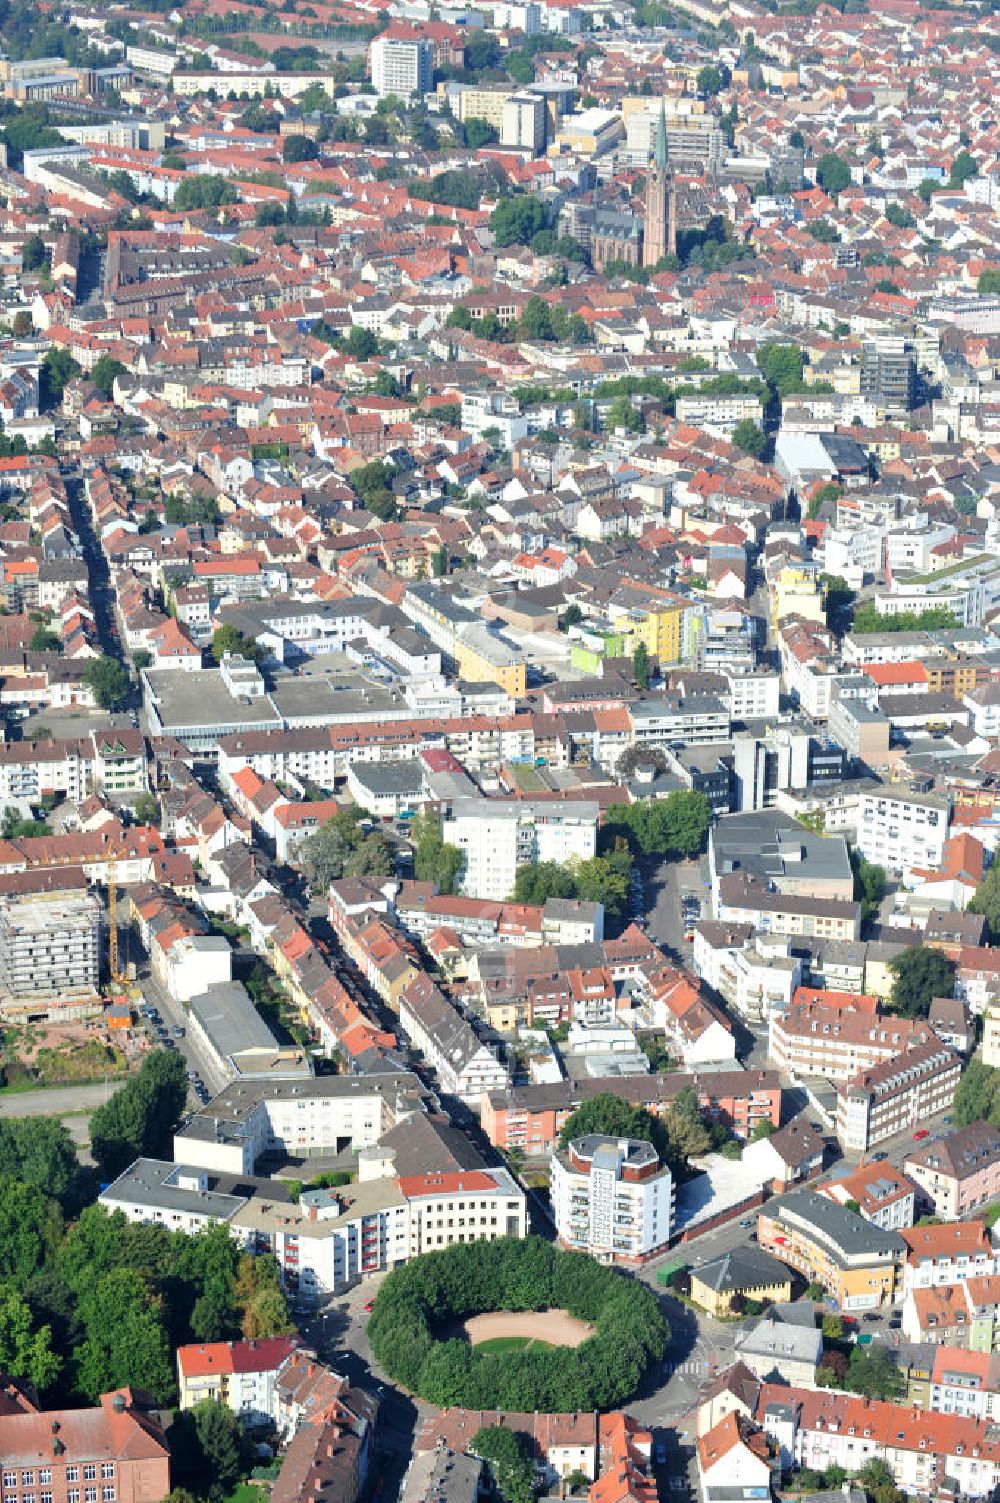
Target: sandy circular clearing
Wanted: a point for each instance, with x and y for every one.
(557, 1327)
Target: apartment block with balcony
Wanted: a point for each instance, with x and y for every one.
(612, 1198)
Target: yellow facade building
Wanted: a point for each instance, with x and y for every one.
(746, 1273)
(858, 1263)
(795, 591)
(485, 659)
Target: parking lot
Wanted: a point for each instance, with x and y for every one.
(169, 1036)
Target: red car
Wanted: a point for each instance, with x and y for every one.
(922, 1132)
(369, 1307)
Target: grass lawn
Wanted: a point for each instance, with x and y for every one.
(503, 1344)
(247, 1492)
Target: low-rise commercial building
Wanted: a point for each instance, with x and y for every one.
(746, 1273)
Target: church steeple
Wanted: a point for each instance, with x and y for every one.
(660, 222)
(660, 151)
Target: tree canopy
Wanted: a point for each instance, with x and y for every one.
(676, 826)
(106, 368)
(139, 1119)
(434, 859)
(108, 680)
(750, 437)
(933, 618)
(833, 174)
(920, 973)
(421, 1299)
(509, 1459)
(204, 190)
(978, 1096)
(986, 901)
(324, 855)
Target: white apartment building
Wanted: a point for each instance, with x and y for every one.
(966, 1383)
(328, 1239)
(883, 1195)
(612, 1198)
(757, 981)
(523, 123)
(754, 696)
(402, 66)
(322, 1114)
(991, 1036)
(496, 838)
(947, 1254)
(719, 414)
(897, 1095)
(900, 830)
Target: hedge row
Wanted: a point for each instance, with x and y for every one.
(418, 1304)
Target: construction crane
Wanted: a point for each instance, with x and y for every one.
(118, 976)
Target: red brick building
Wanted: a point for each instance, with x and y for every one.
(531, 1117)
(113, 1453)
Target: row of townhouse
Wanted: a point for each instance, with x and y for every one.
(610, 1450)
(113, 761)
(478, 921)
(328, 1426)
(532, 1117)
(698, 1031)
(322, 754)
(138, 852)
(282, 821)
(464, 1065)
(963, 1313)
(823, 1428)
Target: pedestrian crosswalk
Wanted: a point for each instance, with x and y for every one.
(671, 1368)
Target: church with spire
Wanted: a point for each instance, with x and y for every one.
(660, 223)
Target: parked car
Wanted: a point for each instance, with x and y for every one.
(177, 1031)
(879, 1158)
(747, 1221)
(660, 1454)
(921, 1132)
